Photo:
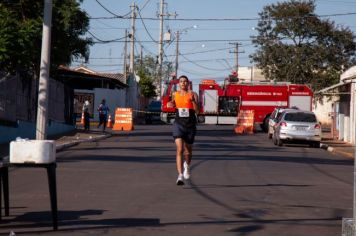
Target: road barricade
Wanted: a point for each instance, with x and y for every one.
(245, 120)
(82, 119)
(109, 124)
(123, 119)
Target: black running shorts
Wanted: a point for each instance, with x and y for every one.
(184, 132)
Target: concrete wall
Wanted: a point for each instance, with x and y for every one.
(128, 97)
(349, 76)
(114, 98)
(133, 94)
(323, 109)
(352, 130)
(28, 130)
(248, 73)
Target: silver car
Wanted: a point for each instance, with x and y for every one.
(273, 118)
(297, 126)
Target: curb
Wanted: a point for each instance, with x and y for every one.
(61, 147)
(334, 150)
(326, 147)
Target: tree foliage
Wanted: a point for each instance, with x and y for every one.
(147, 70)
(294, 44)
(21, 34)
(147, 87)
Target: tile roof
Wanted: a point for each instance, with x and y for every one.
(115, 76)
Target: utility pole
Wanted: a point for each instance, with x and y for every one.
(141, 56)
(251, 73)
(125, 55)
(177, 53)
(160, 44)
(236, 52)
(160, 47)
(42, 105)
(132, 53)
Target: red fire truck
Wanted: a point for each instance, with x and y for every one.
(221, 104)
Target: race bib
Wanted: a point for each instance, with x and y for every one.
(183, 112)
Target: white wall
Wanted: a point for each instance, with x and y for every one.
(127, 97)
(133, 94)
(248, 73)
(323, 109)
(350, 76)
(114, 98)
(353, 114)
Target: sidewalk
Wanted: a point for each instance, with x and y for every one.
(336, 146)
(66, 140)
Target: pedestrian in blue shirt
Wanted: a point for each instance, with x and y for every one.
(103, 114)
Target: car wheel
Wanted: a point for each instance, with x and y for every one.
(170, 121)
(201, 119)
(148, 120)
(315, 144)
(264, 125)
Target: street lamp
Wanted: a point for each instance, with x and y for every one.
(177, 45)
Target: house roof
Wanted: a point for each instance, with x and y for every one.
(349, 74)
(330, 90)
(345, 79)
(84, 75)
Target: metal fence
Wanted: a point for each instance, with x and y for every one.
(18, 100)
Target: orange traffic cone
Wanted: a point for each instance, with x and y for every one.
(82, 119)
(109, 125)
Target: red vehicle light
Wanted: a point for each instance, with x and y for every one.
(283, 124)
(317, 126)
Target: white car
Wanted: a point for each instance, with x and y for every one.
(297, 126)
(274, 117)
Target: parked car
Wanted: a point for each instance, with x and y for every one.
(274, 117)
(297, 126)
(153, 112)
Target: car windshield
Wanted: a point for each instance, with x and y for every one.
(300, 116)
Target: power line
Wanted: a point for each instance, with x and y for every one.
(206, 51)
(226, 19)
(112, 13)
(191, 41)
(144, 25)
(204, 67)
(104, 41)
(144, 48)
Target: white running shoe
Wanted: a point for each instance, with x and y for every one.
(186, 172)
(180, 180)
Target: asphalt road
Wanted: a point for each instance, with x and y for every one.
(241, 185)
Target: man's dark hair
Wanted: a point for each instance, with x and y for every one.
(184, 76)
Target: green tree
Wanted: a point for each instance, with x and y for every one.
(147, 70)
(21, 34)
(295, 45)
(147, 88)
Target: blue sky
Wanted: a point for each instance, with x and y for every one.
(206, 51)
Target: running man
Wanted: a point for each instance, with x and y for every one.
(184, 127)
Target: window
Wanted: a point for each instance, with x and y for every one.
(300, 116)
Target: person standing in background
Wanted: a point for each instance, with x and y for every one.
(103, 114)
